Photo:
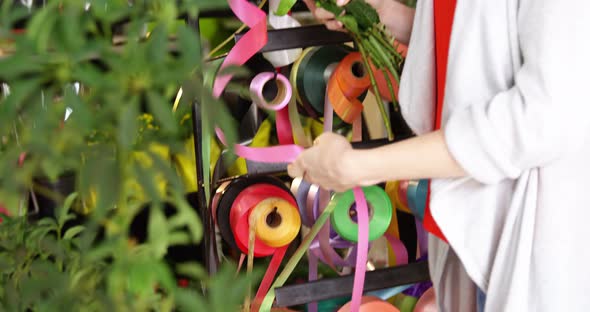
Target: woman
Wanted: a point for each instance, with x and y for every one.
(510, 162)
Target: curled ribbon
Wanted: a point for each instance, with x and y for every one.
(347, 83)
(250, 43)
(284, 95)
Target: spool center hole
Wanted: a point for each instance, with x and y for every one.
(270, 90)
(274, 219)
(354, 214)
(358, 69)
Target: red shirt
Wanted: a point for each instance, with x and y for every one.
(444, 12)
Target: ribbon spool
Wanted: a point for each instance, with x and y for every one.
(260, 85)
(277, 219)
(283, 57)
(380, 214)
(227, 194)
(371, 304)
(349, 81)
(306, 196)
(417, 193)
(427, 303)
(237, 104)
(397, 191)
(310, 75)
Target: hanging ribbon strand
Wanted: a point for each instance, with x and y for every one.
(250, 43)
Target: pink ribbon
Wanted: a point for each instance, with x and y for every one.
(362, 251)
(273, 154)
(362, 248)
(248, 45)
(283, 125)
(399, 249)
(284, 91)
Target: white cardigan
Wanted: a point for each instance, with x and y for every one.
(517, 118)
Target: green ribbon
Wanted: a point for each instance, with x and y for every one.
(284, 7)
(206, 154)
(292, 263)
(207, 128)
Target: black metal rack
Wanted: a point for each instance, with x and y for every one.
(282, 39)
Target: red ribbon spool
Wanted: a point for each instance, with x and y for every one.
(243, 205)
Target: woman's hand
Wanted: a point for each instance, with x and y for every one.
(329, 19)
(396, 16)
(332, 163)
(329, 163)
(324, 16)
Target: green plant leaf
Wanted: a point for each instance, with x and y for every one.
(18, 65)
(189, 48)
(73, 231)
(222, 299)
(157, 45)
(193, 270)
(104, 250)
(7, 264)
(158, 231)
(190, 301)
(62, 213)
(191, 220)
(162, 110)
(178, 238)
(129, 124)
(50, 222)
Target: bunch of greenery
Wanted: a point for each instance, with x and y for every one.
(376, 46)
(66, 62)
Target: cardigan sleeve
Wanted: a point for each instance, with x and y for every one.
(546, 113)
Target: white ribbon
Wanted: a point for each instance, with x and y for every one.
(283, 57)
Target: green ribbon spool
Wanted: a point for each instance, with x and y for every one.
(380, 213)
(330, 305)
(312, 75)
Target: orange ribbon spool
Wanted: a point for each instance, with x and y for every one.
(371, 304)
(349, 80)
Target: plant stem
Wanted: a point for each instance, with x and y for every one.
(383, 54)
(381, 38)
(376, 90)
(390, 87)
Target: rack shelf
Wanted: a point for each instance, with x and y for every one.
(342, 286)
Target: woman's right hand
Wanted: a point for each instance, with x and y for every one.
(324, 16)
(395, 15)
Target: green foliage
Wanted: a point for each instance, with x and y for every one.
(117, 142)
(42, 270)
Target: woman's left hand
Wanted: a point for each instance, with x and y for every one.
(328, 163)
